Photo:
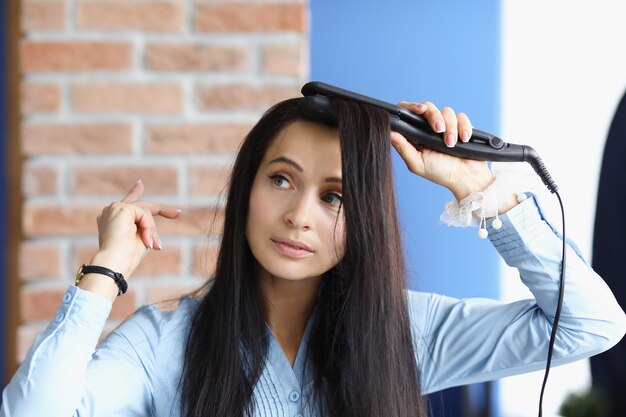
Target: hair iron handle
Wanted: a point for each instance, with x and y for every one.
(482, 146)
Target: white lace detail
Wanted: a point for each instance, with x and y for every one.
(474, 209)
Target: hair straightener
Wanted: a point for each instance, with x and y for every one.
(483, 146)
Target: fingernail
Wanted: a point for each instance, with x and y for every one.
(440, 126)
(465, 136)
(450, 140)
(160, 246)
(420, 106)
(179, 211)
(138, 181)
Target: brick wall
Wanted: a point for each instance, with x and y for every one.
(114, 91)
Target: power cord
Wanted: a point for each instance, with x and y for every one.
(557, 314)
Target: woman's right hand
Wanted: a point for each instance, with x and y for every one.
(126, 230)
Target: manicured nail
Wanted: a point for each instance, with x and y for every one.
(465, 136)
(440, 126)
(450, 140)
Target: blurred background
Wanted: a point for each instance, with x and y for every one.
(97, 94)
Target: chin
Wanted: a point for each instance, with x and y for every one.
(286, 270)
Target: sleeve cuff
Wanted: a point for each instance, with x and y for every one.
(83, 310)
(521, 226)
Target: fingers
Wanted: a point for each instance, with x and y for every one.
(134, 219)
(147, 228)
(465, 127)
(410, 155)
(134, 193)
(451, 133)
(156, 209)
(452, 126)
(144, 220)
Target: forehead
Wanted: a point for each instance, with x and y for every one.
(308, 141)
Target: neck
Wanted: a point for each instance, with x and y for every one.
(287, 306)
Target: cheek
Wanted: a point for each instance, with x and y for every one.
(336, 240)
(257, 207)
(258, 204)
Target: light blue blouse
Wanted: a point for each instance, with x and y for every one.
(136, 370)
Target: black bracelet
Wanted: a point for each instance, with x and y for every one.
(94, 269)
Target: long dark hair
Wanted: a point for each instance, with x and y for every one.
(360, 345)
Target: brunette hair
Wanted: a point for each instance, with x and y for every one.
(360, 345)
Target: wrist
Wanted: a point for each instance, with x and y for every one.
(499, 196)
(112, 261)
(460, 190)
(103, 284)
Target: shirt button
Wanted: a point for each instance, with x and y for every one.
(294, 396)
(59, 318)
(67, 298)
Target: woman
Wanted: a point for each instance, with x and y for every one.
(307, 312)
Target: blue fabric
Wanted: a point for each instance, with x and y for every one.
(136, 370)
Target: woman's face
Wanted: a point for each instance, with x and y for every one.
(295, 225)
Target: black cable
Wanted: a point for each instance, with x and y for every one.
(557, 314)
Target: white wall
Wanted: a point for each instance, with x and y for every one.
(564, 71)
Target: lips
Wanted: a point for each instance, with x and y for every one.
(291, 248)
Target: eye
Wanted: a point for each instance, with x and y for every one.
(280, 181)
(332, 198)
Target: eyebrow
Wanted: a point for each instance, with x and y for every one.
(297, 166)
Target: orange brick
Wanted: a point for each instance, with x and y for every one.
(39, 139)
(160, 263)
(39, 97)
(198, 138)
(38, 56)
(289, 59)
(39, 180)
(38, 261)
(130, 15)
(82, 255)
(243, 96)
(209, 180)
(156, 262)
(195, 221)
(204, 260)
(42, 15)
(41, 304)
(195, 57)
(117, 180)
(127, 97)
(124, 306)
(249, 17)
(46, 220)
(166, 296)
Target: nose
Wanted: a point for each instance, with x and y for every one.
(299, 214)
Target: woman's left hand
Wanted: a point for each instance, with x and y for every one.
(461, 176)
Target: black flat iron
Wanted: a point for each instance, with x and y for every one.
(482, 146)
